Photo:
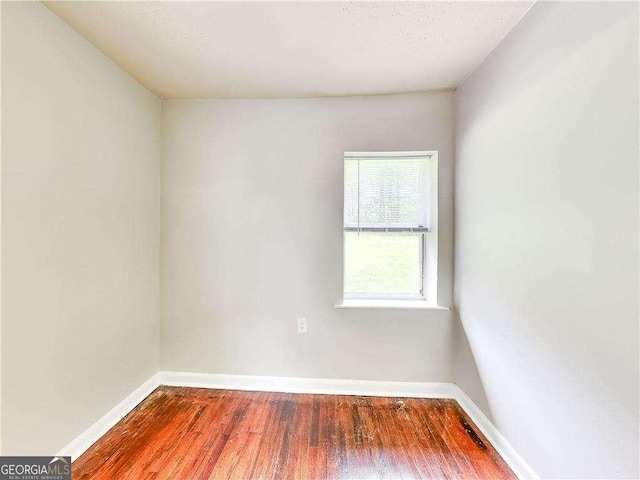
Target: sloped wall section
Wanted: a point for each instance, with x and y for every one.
(546, 276)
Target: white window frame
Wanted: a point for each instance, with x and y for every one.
(429, 240)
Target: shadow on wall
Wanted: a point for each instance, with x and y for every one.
(465, 370)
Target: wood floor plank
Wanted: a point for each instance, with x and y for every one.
(194, 433)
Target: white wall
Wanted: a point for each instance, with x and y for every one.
(80, 232)
(547, 237)
(252, 238)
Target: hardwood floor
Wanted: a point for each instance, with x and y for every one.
(193, 433)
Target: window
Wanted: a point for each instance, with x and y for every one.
(390, 225)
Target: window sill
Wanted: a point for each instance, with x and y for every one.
(390, 304)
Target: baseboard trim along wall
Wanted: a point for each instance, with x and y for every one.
(92, 434)
(518, 464)
(305, 385)
(309, 385)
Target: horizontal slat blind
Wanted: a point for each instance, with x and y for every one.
(386, 194)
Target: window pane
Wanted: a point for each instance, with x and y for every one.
(386, 193)
(382, 263)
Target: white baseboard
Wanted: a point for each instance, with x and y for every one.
(309, 385)
(87, 438)
(305, 385)
(518, 464)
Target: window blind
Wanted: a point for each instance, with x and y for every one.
(386, 194)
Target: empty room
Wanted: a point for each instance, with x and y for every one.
(319, 240)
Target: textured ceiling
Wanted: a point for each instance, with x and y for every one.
(188, 49)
